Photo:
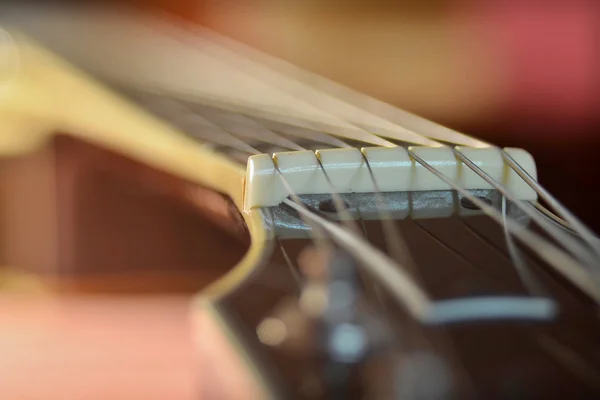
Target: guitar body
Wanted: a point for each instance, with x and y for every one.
(126, 202)
(458, 256)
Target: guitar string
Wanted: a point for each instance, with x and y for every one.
(494, 276)
(484, 240)
(573, 246)
(535, 290)
(342, 212)
(409, 294)
(550, 215)
(169, 107)
(395, 113)
(449, 248)
(546, 226)
(377, 292)
(293, 270)
(525, 273)
(338, 201)
(336, 198)
(296, 199)
(569, 217)
(304, 133)
(298, 91)
(450, 305)
(232, 141)
(388, 112)
(400, 285)
(202, 35)
(394, 240)
(290, 75)
(259, 99)
(316, 232)
(241, 125)
(494, 246)
(451, 309)
(329, 99)
(340, 208)
(281, 175)
(347, 220)
(344, 216)
(505, 216)
(559, 235)
(335, 193)
(319, 239)
(554, 257)
(412, 138)
(308, 213)
(182, 116)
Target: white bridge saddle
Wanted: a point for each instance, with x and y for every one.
(392, 167)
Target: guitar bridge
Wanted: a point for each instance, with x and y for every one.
(271, 178)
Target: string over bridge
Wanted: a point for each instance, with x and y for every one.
(392, 167)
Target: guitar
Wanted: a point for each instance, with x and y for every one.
(377, 254)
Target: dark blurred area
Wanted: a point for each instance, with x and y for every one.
(517, 73)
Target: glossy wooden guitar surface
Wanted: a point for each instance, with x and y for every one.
(294, 318)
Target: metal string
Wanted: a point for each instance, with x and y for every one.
(556, 258)
(569, 217)
(333, 227)
(387, 112)
(462, 257)
(290, 83)
(390, 275)
(552, 230)
(415, 300)
(378, 294)
(447, 312)
(554, 233)
(293, 270)
(338, 206)
(304, 133)
(498, 250)
(395, 243)
(358, 101)
(525, 273)
(270, 74)
(347, 220)
(243, 126)
(185, 118)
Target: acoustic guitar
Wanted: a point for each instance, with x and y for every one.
(357, 250)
